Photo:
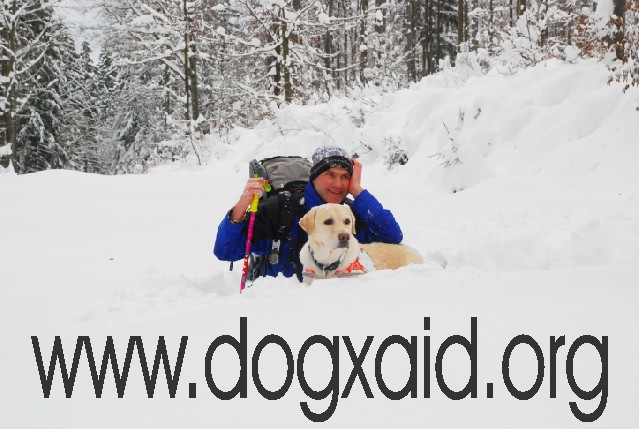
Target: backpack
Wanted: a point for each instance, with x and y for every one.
(284, 173)
(288, 177)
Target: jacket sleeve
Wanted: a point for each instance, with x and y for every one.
(381, 225)
(230, 243)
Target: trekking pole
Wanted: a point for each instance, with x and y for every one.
(252, 209)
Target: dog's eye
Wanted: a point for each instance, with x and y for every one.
(347, 222)
(328, 222)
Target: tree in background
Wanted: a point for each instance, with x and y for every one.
(152, 46)
(171, 71)
(625, 42)
(32, 80)
(81, 110)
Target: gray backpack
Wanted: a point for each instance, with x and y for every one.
(288, 173)
(288, 177)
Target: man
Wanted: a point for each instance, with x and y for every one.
(333, 176)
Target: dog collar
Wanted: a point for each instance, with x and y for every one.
(326, 267)
(361, 265)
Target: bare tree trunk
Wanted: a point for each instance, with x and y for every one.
(8, 71)
(195, 93)
(186, 65)
(354, 53)
(190, 67)
(363, 47)
(410, 41)
(569, 26)
(340, 43)
(438, 45)
(545, 33)
(427, 39)
(619, 11)
(288, 86)
(167, 95)
(277, 78)
(466, 21)
(415, 32)
(328, 41)
(8, 39)
(460, 24)
(491, 26)
(342, 56)
(275, 60)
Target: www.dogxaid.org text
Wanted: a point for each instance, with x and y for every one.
(355, 357)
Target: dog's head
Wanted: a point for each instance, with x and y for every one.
(330, 225)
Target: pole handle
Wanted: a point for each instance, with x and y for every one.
(253, 206)
(256, 199)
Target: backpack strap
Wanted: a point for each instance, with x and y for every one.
(291, 204)
(296, 245)
(283, 232)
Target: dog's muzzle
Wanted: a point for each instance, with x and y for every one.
(343, 239)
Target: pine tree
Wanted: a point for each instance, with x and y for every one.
(38, 109)
(80, 106)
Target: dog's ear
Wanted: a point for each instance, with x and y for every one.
(307, 223)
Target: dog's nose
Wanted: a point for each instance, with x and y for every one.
(343, 236)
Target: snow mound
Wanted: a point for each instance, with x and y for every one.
(557, 124)
(520, 191)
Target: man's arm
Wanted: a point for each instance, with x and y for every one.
(381, 225)
(230, 243)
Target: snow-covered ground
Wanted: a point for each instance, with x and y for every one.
(543, 241)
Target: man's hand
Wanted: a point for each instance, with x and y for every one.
(355, 187)
(254, 186)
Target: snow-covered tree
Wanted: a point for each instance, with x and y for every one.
(152, 48)
(81, 110)
(624, 30)
(172, 70)
(280, 44)
(32, 85)
(29, 84)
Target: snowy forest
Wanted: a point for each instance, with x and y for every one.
(171, 72)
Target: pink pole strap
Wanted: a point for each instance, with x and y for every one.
(247, 252)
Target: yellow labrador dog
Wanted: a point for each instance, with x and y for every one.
(333, 251)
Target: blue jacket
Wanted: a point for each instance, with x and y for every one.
(373, 224)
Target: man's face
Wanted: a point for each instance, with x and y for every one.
(332, 185)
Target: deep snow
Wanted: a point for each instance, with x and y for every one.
(543, 240)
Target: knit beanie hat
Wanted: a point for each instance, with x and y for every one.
(327, 157)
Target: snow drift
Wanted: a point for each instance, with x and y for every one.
(521, 192)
